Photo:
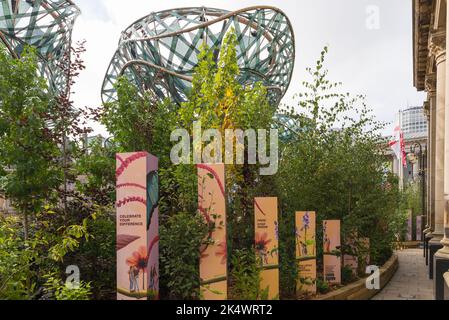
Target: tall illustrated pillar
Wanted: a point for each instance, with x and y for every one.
(306, 251)
(267, 243)
(437, 47)
(332, 251)
(442, 256)
(212, 205)
(137, 226)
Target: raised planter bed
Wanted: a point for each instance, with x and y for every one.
(358, 290)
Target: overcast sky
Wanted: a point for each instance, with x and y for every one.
(369, 58)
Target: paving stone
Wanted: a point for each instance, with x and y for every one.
(410, 281)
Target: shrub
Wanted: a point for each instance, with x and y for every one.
(180, 240)
(245, 275)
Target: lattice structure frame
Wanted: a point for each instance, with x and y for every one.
(160, 51)
(45, 25)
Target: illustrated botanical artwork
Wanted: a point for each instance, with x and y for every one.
(212, 206)
(305, 232)
(137, 226)
(332, 251)
(266, 243)
(137, 269)
(261, 245)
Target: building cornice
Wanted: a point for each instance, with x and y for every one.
(422, 17)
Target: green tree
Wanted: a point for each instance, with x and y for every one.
(335, 152)
(221, 102)
(28, 173)
(31, 175)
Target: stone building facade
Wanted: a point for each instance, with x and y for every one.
(430, 30)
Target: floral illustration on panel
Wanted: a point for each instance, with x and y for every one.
(261, 246)
(222, 251)
(304, 243)
(137, 264)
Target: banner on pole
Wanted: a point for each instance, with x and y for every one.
(306, 251)
(332, 250)
(267, 243)
(212, 205)
(137, 226)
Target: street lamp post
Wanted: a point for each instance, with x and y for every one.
(421, 154)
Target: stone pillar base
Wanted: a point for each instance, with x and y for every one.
(434, 246)
(441, 267)
(446, 287)
(427, 239)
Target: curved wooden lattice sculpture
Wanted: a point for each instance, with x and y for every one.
(160, 51)
(45, 25)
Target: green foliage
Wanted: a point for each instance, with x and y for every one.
(15, 258)
(96, 167)
(28, 175)
(24, 263)
(142, 123)
(31, 175)
(63, 291)
(220, 102)
(411, 200)
(339, 173)
(97, 257)
(322, 286)
(245, 275)
(347, 275)
(181, 238)
(287, 255)
(139, 122)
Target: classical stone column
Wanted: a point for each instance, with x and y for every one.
(426, 227)
(427, 107)
(433, 134)
(430, 84)
(437, 47)
(442, 256)
(431, 101)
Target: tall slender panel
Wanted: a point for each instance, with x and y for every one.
(212, 205)
(137, 226)
(267, 243)
(332, 250)
(306, 251)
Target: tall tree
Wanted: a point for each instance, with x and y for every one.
(28, 170)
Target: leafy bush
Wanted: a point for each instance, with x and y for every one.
(180, 240)
(245, 275)
(347, 275)
(63, 291)
(332, 163)
(322, 286)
